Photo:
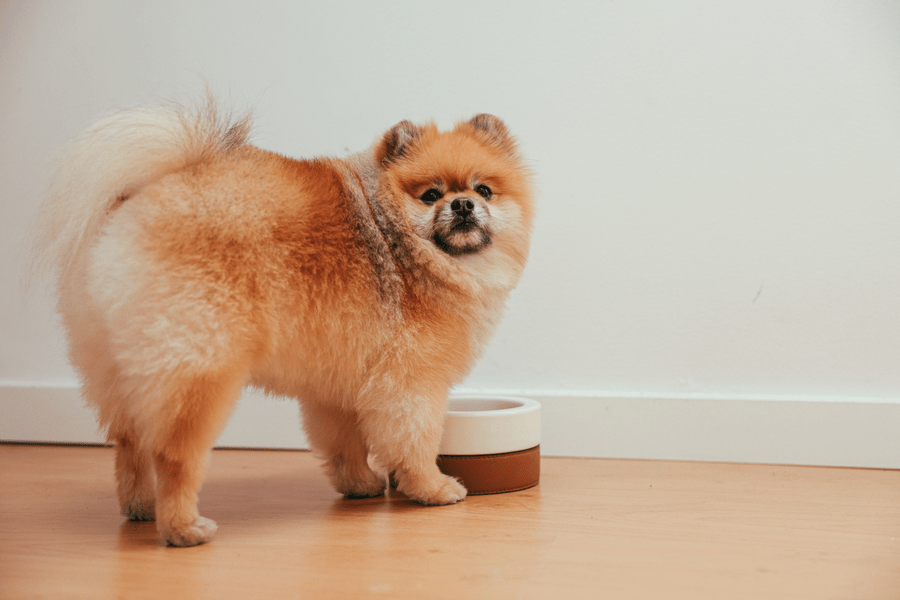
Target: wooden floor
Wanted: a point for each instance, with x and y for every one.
(605, 529)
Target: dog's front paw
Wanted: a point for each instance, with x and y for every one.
(140, 510)
(198, 532)
(369, 487)
(438, 491)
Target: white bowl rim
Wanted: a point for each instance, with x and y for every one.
(520, 405)
(477, 432)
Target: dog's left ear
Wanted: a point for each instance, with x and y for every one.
(495, 130)
(396, 142)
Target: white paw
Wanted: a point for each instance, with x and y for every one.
(438, 492)
(198, 532)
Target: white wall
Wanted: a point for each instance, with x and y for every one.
(718, 182)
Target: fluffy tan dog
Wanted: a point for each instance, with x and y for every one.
(190, 264)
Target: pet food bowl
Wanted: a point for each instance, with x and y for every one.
(492, 443)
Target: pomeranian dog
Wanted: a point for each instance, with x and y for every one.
(190, 264)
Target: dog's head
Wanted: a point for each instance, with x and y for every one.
(465, 190)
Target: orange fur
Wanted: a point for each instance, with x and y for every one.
(191, 263)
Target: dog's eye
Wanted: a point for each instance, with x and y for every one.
(431, 196)
(484, 191)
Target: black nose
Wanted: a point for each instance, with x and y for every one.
(462, 206)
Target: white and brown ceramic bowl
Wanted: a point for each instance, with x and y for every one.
(492, 443)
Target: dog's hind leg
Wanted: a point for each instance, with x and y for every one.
(103, 389)
(135, 480)
(184, 431)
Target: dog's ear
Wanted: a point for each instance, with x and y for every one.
(396, 142)
(495, 130)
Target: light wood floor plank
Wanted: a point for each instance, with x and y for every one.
(592, 529)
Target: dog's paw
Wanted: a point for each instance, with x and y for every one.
(441, 491)
(198, 532)
(369, 487)
(140, 511)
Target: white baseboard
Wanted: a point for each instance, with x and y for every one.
(855, 432)
(843, 432)
(57, 414)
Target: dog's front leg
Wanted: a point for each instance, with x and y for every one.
(404, 431)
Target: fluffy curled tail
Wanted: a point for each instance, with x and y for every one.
(113, 159)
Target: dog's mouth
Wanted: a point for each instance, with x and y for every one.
(465, 235)
(464, 225)
(461, 226)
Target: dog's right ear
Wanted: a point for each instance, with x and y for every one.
(396, 142)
